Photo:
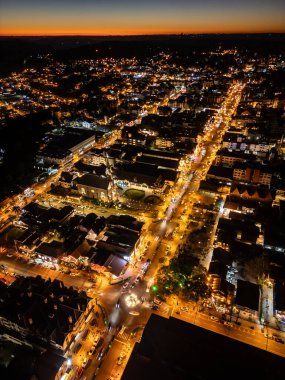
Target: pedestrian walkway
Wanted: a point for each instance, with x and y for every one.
(267, 304)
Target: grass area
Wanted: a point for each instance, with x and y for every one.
(134, 194)
(153, 199)
(10, 97)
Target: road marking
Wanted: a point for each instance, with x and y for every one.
(120, 341)
(124, 336)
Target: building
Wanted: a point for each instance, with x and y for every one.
(119, 240)
(229, 158)
(144, 175)
(251, 193)
(50, 252)
(247, 296)
(95, 187)
(173, 349)
(42, 312)
(67, 146)
(257, 174)
(24, 361)
(39, 217)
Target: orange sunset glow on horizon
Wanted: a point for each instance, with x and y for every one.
(61, 17)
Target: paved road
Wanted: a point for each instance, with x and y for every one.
(242, 333)
(137, 315)
(20, 267)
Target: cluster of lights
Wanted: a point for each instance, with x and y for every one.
(132, 300)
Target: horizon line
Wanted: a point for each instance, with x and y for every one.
(138, 34)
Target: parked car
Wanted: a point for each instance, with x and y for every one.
(79, 372)
(86, 362)
(93, 322)
(77, 348)
(268, 336)
(100, 354)
(121, 359)
(100, 342)
(85, 334)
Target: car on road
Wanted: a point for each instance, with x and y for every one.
(126, 284)
(121, 359)
(93, 322)
(79, 372)
(156, 301)
(92, 350)
(229, 324)
(100, 342)
(86, 362)
(268, 336)
(215, 319)
(279, 340)
(85, 334)
(184, 308)
(100, 354)
(77, 348)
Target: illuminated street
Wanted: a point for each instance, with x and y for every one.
(142, 183)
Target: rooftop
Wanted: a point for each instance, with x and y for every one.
(173, 349)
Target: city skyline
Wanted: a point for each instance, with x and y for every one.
(127, 17)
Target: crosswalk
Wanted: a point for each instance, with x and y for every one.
(243, 329)
(123, 338)
(237, 327)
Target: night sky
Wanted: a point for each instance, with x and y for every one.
(124, 17)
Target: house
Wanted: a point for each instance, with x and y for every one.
(26, 242)
(120, 240)
(255, 174)
(40, 217)
(220, 173)
(65, 180)
(229, 158)
(42, 312)
(252, 193)
(125, 221)
(103, 259)
(50, 252)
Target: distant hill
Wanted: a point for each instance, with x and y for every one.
(15, 50)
